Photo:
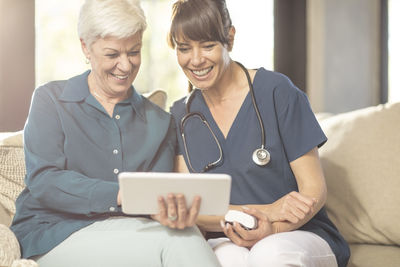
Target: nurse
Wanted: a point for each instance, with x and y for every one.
(231, 114)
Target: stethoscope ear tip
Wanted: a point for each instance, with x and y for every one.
(261, 156)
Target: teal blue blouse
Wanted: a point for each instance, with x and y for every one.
(74, 151)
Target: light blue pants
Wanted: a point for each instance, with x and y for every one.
(133, 242)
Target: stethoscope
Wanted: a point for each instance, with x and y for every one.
(260, 156)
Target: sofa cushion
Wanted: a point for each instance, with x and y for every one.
(12, 172)
(374, 256)
(362, 168)
(11, 139)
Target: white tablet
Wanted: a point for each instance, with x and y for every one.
(140, 190)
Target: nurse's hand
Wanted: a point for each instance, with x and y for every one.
(174, 213)
(248, 238)
(292, 207)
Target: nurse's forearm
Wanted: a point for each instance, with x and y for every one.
(312, 191)
(285, 226)
(213, 223)
(209, 223)
(318, 193)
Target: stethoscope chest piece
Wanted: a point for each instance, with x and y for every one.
(261, 156)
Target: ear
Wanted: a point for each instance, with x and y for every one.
(231, 36)
(85, 49)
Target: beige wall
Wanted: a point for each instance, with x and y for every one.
(343, 64)
(17, 50)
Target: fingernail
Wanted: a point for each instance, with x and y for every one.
(245, 208)
(222, 224)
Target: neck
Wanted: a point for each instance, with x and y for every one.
(232, 84)
(102, 97)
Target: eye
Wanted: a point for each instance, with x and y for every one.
(183, 49)
(134, 53)
(112, 55)
(209, 46)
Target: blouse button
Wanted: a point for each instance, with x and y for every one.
(117, 117)
(115, 151)
(116, 171)
(112, 209)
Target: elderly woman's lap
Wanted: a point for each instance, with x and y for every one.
(124, 241)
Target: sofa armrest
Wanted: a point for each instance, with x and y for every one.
(9, 246)
(10, 254)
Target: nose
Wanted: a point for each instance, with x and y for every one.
(124, 64)
(197, 57)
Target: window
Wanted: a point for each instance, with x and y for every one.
(254, 40)
(394, 52)
(59, 55)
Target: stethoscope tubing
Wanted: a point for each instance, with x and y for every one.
(203, 119)
(191, 114)
(253, 99)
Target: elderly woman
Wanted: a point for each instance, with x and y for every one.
(79, 135)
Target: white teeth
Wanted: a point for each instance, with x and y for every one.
(202, 72)
(120, 76)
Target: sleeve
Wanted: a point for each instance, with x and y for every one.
(165, 155)
(299, 129)
(177, 111)
(48, 179)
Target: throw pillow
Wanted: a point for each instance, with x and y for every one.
(362, 165)
(12, 171)
(158, 97)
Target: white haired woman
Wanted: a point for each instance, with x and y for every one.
(79, 135)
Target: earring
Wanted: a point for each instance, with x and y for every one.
(87, 61)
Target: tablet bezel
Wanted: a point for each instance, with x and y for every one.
(140, 191)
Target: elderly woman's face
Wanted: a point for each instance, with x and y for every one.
(115, 63)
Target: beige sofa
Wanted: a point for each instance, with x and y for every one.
(361, 161)
(362, 167)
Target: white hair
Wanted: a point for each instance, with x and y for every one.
(110, 18)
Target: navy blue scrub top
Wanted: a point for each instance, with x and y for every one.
(74, 151)
(291, 131)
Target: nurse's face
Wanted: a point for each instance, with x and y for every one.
(203, 62)
(115, 63)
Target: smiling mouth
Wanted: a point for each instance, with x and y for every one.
(202, 72)
(120, 77)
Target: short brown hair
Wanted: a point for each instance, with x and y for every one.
(200, 20)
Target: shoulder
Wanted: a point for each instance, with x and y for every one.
(154, 110)
(278, 84)
(178, 108)
(47, 95)
(157, 119)
(274, 81)
(68, 90)
(53, 88)
(278, 89)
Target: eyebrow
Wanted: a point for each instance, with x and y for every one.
(201, 42)
(132, 48)
(180, 43)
